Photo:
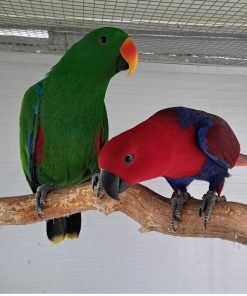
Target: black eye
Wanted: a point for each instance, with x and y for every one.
(103, 39)
(128, 158)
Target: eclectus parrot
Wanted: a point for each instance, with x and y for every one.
(180, 144)
(63, 119)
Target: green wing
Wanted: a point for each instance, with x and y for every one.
(101, 139)
(29, 123)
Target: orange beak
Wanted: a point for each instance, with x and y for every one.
(129, 52)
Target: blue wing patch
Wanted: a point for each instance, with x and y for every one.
(202, 123)
(32, 136)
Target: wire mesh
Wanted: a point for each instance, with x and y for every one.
(179, 31)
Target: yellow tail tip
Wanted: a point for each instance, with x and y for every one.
(72, 235)
(57, 239)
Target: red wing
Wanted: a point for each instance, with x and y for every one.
(219, 142)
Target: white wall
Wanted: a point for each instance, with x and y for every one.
(111, 255)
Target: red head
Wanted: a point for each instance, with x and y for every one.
(156, 147)
(131, 154)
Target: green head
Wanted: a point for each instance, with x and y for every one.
(102, 52)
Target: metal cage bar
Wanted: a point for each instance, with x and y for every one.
(179, 31)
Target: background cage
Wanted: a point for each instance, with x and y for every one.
(179, 31)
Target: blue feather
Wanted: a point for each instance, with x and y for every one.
(211, 172)
(32, 136)
(202, 123)
(39, 89)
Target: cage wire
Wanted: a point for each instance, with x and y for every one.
(179, 31)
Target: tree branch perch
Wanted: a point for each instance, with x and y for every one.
(149, 209)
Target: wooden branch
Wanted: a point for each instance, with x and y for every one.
(150, 210)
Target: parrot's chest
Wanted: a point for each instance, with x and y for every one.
(69, 154)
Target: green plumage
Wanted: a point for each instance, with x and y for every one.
(61, 130)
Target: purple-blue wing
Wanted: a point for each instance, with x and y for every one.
(217, 140)
(214, 136)
(221, 141)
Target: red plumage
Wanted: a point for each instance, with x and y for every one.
(175, 143)
(180, 144)
(221, 140)
(38, 152)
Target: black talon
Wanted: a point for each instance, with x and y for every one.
(40, 197)
(177, 201)
(95, 180)
(174, 225)
(208, 202)
(96, 183)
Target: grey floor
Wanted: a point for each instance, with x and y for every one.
(111, 256)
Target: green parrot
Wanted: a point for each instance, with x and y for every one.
(63, 119)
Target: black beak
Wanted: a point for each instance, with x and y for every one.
(122, 64)
(112, 184)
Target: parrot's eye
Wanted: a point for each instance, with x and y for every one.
(103, 39)
(128, 158)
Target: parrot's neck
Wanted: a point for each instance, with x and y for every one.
(77, 88)
(74, 100)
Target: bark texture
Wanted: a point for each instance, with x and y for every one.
(149, 209)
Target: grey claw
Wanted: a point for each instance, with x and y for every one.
(95, 180)
(96, 183)
(208, 202)
(174, 225)
(40, 197)
(39, 207)
(220, 198)
(40, 213)
(98, 189)
(207, 205)
(177, 201)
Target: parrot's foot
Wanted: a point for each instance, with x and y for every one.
(208, 202)
(177, 201)
(40, 197)
(96, 183)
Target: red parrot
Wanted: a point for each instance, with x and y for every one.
(180, 144)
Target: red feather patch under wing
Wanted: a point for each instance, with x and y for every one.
(38, 152)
